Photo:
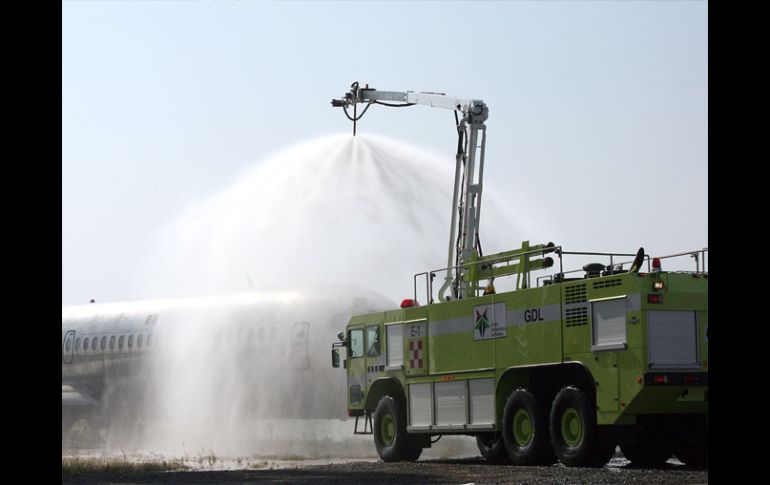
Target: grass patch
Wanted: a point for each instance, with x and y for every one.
(81, 466)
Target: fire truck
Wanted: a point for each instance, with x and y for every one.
(565, 365)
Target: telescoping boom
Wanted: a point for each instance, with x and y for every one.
(469, 170)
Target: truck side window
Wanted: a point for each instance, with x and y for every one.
(373, 341)
(356, 346)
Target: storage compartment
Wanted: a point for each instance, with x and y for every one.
(673, 340)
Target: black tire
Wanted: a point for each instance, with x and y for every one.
(574, 432)
(525, 430)
(389, 429)
(650, 448)
(492, 447)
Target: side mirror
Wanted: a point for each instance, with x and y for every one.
(335, 358)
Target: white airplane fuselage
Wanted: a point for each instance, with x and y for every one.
(267, 337)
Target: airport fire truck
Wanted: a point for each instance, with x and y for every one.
(562, 366)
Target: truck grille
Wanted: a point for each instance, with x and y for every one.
(607, 283)
(576, 316)
(575, 294)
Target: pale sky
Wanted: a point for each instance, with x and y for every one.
(597, 134)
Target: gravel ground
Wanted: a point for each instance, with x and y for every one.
(443, 471)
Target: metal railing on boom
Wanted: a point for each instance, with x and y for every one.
(614, 267)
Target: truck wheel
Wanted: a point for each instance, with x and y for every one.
(525, 430)
(492, 447)
(574, 433)
(389, 429)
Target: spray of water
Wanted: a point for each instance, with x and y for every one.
(363, 210)
(334, 214)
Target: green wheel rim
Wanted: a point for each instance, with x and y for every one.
(388, 429)
(571, 427)
(522, 427)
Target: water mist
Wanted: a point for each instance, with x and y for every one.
(315, 230)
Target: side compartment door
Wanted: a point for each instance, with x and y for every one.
(608, 338)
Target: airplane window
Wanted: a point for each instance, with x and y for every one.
(139, 339)
(148, 339)
(68, 345)
(130, 341)
(93, 344)
(85, 345)
(112, 342)
(120, 341)
(104, 343)
(77, 345)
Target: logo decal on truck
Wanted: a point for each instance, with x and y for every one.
(489, 321)
(482, 324)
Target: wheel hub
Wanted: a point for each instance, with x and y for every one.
(571, 427)
(388, 429)
(522, 427)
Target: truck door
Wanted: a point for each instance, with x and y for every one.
(356, 366)
(68, 347)
(375, 358)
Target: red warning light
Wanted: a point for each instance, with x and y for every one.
(409, 303)
(654, 298)
(656, 264)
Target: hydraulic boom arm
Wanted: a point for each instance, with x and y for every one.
(469, 171)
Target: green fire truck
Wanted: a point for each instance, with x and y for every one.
(564, 366)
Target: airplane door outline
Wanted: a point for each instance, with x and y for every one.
(67, 356)
(299, 345)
